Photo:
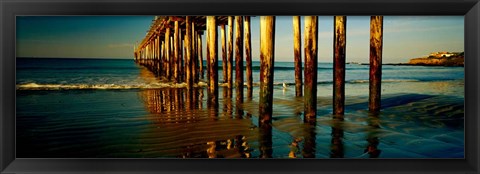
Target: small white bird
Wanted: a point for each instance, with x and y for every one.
(284, 85)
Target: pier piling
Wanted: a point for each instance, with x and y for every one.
(267, 58)
(230, 52)
(167, 53)
(248, 56)
(213, 42)
(339, 64)
(224, 53)
(375, 80)
(297, 54)
(208, 54)
(194, 60)
(200, 56)
(176, 47)
(311, 67)
(181, 53)
(164, 67)
(239, 62)
(188, 57)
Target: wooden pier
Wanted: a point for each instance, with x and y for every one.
(172, 50)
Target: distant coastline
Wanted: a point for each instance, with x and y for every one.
(440, 59)
(434, 59)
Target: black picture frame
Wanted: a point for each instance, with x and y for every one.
(11, 8)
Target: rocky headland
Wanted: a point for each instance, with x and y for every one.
(440, 59)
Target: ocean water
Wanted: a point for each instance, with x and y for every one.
(112, 108)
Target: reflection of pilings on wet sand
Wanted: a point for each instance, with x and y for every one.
(227, 101)
(265, 141)
(337, 139)
(211, 151)
(200, 99)
(189, 99)
(309, 141)
(235, 147)
(373, 141)
(172, 104)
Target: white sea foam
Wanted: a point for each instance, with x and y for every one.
(153, 85)
(35, 86)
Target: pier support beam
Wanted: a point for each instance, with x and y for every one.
(311, 67)
(376, 41)
(154, 54)
(164, 67)
(149, 55)
(188, 57)
(230, 52)
(224, 53)
(167, 53)
(297, 55)
(239, 62)
(176, 47)
(267, 50)
(208, 54)
(181, 53)
(200, 55)
(157, 54)
(172, 62)
(248, 56)
(194, 59)
(339, 44)
(213, 49)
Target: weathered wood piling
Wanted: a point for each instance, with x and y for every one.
(224, 52)
(176, 47)
(213, 49)
(200, 55)
(167, 53)
(188, 54)
(230, 52)
(239, 63)
(248, 56)
(339, 44)
(297, 55)
(376, 42)
(208, 56)
(311, 67)
(158, 56)
(195, 68)
(267, 58)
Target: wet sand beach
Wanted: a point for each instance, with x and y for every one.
(168, 123)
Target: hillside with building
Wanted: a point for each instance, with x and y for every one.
(440, 59)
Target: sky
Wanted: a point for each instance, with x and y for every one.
(404, 37)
